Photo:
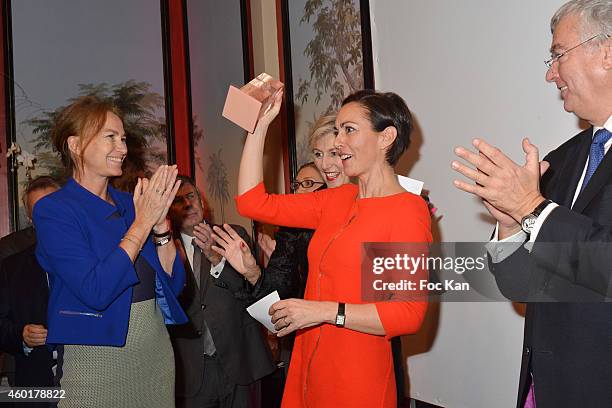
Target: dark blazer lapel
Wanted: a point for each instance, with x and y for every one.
(572, 171)
(599, 179)
(204, 276)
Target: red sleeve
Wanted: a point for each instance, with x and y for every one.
(290, 210)
(400, 317)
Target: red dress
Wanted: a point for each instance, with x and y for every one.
(339, 367)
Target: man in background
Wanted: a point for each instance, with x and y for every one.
(221, 353)
(23, 303)
(556, 231)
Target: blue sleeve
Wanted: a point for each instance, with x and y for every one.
(64, 250)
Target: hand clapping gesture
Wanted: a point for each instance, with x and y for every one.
(230, 245)
(152, 198)
(203, 237)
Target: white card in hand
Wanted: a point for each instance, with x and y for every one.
(410, 185)
(259, 310)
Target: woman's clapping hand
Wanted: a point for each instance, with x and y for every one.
(152, 198)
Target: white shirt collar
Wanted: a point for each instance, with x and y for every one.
(607, 125)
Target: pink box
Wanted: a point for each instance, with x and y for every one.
(246, 105)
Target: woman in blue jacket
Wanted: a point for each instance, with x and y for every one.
(114, 273)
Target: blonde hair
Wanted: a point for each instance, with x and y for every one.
(325, 125)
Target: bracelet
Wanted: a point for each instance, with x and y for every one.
(161, 237)
(162, 241)
(161, 234)
(132, 240)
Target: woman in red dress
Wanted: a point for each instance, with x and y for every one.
(342, 353)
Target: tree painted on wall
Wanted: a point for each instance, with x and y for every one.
(138, 105)
(216, 181)
(335, 55)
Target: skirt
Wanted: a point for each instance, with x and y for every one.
(139, 374)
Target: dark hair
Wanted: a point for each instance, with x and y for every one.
(83, 118)
(303, 166)
(207, 211)
(188, 180)
(39, 183)
(386, 109)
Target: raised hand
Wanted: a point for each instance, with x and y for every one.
(152, 198)
(230, 245)
(267, 245)
(511, 189)
(203, 239)
(270, 114)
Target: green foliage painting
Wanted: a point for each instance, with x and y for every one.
(146, 133)
(329, 38)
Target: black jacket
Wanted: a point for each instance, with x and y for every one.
(238, 338)
(287, 269)
(23, 300)
(567, 345)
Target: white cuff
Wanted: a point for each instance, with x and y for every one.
(501, 249)
(26, 350)
(540, 220)
(215, 270)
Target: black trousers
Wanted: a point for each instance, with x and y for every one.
(218, 391)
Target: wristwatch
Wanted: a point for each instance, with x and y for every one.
(528, 221)
(340, 317)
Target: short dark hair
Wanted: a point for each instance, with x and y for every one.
(303, 166)
(386, 109)
(39, 183)
(205, 206)
(187, 180)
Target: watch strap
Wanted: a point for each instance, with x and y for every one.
(341, 316)
(540, 207)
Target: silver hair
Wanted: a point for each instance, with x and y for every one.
(595, 16)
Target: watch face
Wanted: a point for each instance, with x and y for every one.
(340, 320)
(528, 222)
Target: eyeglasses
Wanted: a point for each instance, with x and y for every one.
(295, 184)
(554, 57)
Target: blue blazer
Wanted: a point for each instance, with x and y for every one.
(90, 276)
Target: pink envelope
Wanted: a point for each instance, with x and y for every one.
(245, 106)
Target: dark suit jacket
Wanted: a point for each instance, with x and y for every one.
(23, 300)
(567, 346)
(17, 242)
(9, 245)
(238, 338)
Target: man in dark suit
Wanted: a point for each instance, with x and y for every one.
(557, 232)
(221, 352)
(23, 304)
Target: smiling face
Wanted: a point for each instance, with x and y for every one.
(328, 161)
(103, 155)
(360, 147)
(308, 173)
(581, 75)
